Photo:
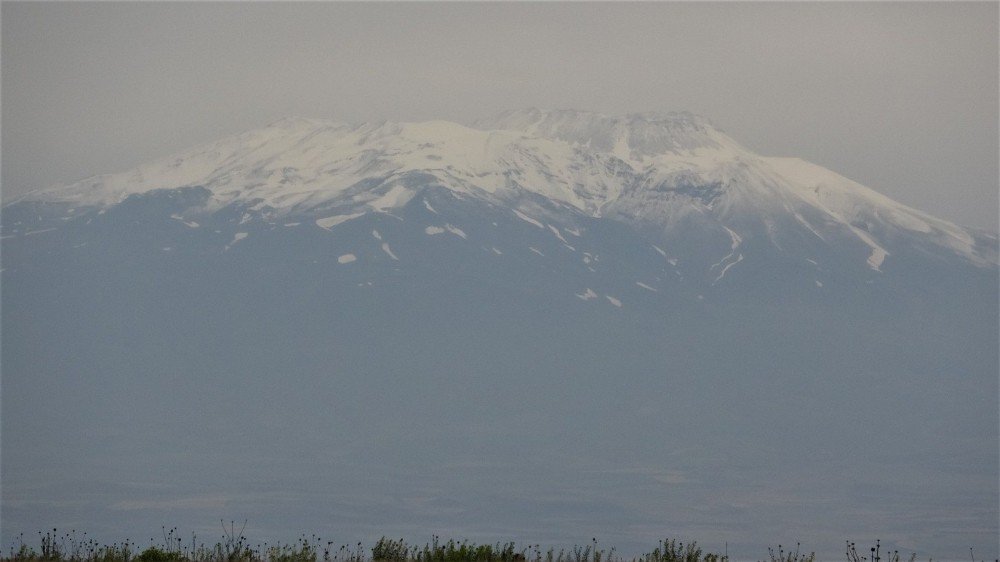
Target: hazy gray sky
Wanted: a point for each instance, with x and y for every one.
(902, 97)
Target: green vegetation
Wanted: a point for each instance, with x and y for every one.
(71, 547)
(234, 547)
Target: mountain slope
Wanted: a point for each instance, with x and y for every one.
(665, 170)
(551, 324)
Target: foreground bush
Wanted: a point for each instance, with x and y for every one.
(71, 547)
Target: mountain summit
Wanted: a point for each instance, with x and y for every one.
(634, 137)
(674, 173)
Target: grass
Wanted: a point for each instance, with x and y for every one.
(73, 547)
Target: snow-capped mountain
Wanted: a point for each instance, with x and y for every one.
(634, 312)
(673, 172)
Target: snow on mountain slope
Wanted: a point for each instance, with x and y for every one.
(849, 202)
(675, 172)
(298, 164)
(683, 166)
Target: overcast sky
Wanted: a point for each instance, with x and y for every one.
(902, 97)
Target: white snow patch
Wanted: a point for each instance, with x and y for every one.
(432, 230)
(376, 235)
(876, 258)
(572, 231)
(347, 258)
(526, 218)
(236, 238)
(429, 208)
(806, 224)
(536, 251)
(395, 197)
(645, 286)
(388, 250)
(814, 262)
(290, 224)
(455, 230)
(30, 232)
(189, 224)
(558, 234)
(613, 301)
(878, 254)
(671, 261)
(496, 251)
(330, 222)
(818, 284)
(735, 242)
(725, 269)
(587, 295)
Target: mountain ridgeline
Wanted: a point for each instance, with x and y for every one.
(631, 325)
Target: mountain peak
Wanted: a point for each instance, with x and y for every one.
(663, 170)
(631, 137)
(535, 115)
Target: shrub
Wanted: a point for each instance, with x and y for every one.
(154, 554)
